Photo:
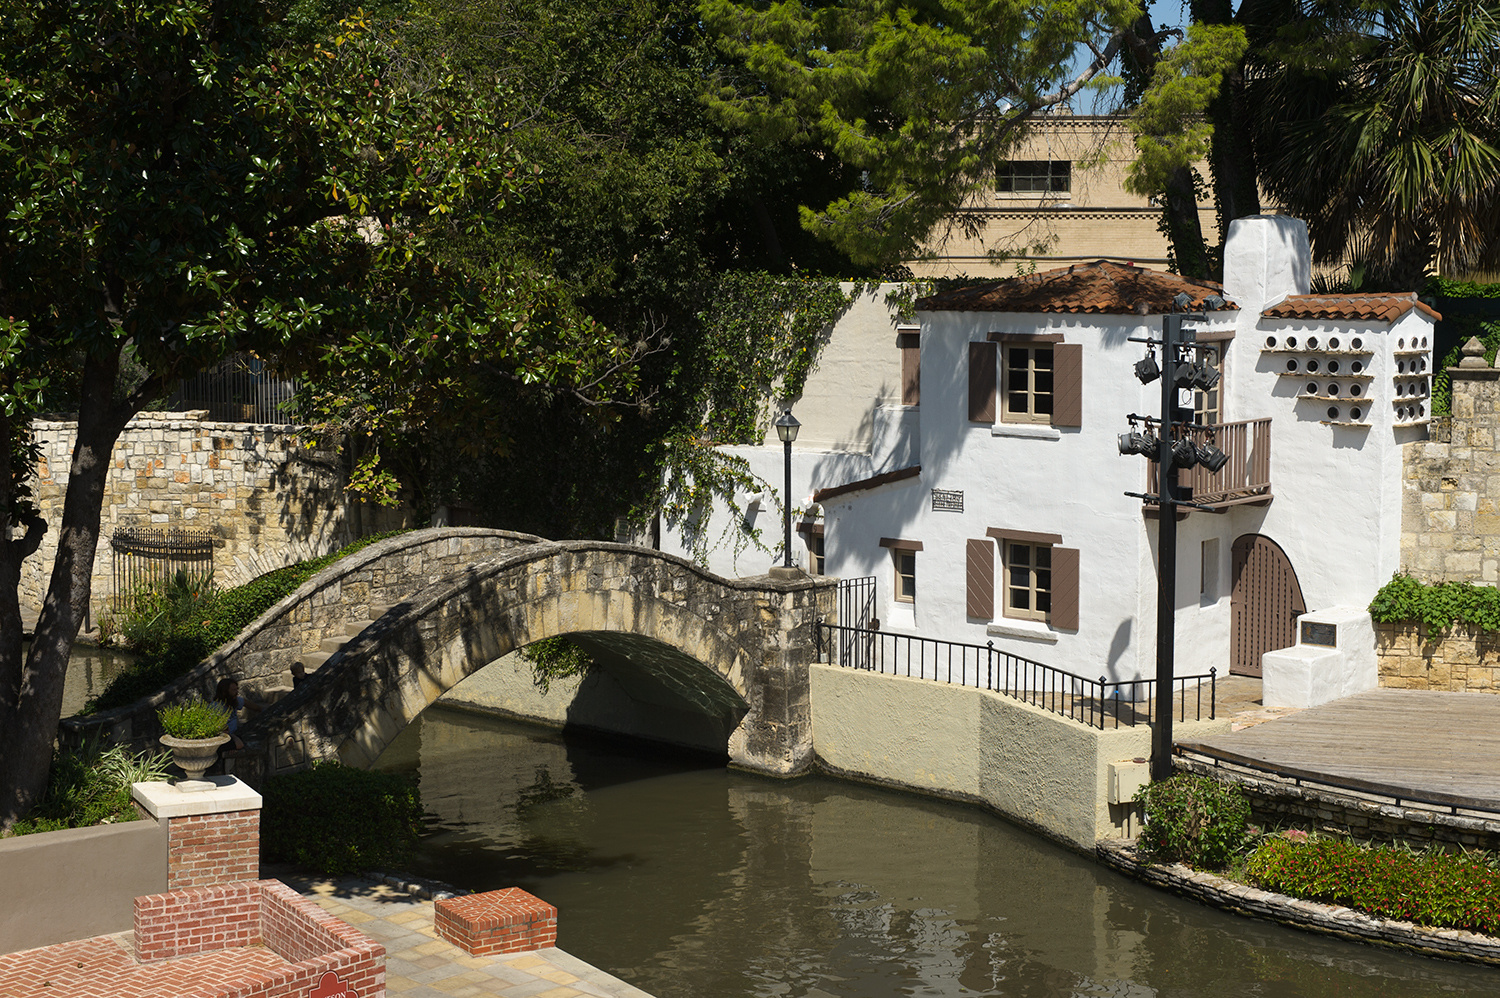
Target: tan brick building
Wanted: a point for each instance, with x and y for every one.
(1060, 199)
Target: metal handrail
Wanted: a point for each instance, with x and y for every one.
(1089, 701)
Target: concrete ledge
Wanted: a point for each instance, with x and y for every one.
(162, 800)
(1346, 923)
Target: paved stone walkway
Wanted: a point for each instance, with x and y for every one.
(420, 964)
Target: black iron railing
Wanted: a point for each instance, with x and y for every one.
(149, 556)
(1094, 702)
(240, 388)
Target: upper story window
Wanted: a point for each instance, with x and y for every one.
(904, 558)
(1028, 580)
(1208, 407)
(1028, 383)
(1034, 176)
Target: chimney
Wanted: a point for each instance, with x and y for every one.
(1266, 258)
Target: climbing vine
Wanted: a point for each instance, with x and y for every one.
(1439, 606)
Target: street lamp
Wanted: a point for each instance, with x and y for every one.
(786, 428)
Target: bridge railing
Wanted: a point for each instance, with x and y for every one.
(1098, 703)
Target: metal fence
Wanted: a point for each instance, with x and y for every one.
(149, 556)
(239, 389)
(1094, 702)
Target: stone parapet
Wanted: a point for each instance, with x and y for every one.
(504, 921)
(1463, 660)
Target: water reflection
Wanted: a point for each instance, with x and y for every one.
(687, 879)
(90, 668)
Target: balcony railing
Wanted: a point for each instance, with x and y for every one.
(1245, 477)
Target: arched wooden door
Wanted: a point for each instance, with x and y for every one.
(1264, 603)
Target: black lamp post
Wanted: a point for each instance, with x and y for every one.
(1176, 373)
(786, 428)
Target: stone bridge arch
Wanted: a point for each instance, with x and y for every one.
(754, 636)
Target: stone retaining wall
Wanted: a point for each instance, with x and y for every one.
(1277, 802)
(382, 575)
(269, 495)
(1329, 919)
(1465, 660)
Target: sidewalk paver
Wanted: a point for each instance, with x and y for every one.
(420, 964)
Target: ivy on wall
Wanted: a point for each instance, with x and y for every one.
(1439, 605)
(1454, 331)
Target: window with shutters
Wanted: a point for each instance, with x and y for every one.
(1037, 578)
(1040, 380)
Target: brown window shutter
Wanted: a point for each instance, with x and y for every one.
(982, 382)
(980, 572)
(1067, 384)
(911, 368)
(1064, 615)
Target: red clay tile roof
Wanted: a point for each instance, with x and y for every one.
(1102, 287)
(1377, 308)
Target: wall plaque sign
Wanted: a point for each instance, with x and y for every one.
(1320, 634)
(948, 500)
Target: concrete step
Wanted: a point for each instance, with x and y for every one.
(311, 660)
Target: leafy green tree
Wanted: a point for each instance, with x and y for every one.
(1387, 141)
(173, 188)
(924, 98)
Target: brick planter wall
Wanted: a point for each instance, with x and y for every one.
(506, 921)
(320, 949)
(1464, 660)
(213, 848)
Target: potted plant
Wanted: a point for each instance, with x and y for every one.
(194, 730)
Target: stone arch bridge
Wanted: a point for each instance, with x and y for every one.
(742, 647)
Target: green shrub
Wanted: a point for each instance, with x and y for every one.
(223, 616)
(338, 820)
(91, 787)
(1434, 889)
(193, 718)
(1194, 820)
(1438, 606)
(156, 615)
(555, 658)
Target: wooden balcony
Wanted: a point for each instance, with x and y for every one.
(1245, 477)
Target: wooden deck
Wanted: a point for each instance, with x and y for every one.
(1439, 747)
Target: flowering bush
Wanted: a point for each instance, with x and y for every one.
(1435, 889)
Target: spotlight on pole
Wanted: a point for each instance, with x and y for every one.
(1183, 374)
(1211, 457)
(1204, 376)
(1184, 454)
(1213, 303)
(1181, 302)
(1146, 370)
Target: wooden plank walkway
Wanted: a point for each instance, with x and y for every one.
(1442, 747)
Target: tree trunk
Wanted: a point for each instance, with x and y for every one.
(32, 704)
(1185, 232)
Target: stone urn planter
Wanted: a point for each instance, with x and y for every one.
(193, 756)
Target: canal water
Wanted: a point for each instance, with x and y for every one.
(689, 880)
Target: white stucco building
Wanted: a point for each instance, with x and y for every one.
(989, 501)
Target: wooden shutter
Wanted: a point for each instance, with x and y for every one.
(911, 368)
(982, 382)
(1064, 615)
(979, 570)
(1067, 384)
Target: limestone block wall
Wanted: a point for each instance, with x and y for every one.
(1450, 519)
(1465, 660)
(269, 495)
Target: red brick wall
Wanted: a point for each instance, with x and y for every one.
(297, 928)
(197, 919)
(505, 921)
(213, 849)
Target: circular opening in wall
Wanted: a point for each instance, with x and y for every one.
(1333, 412)
(1333, 367)
(1291, 341)
(1401, 344)
(1312, 343)
(1291, 364)
(1421, 363)
(1355, 391)
(1312, 388)
(1421, 411)
(1400, 389)
(1400, 367)
(1424, 343)
(1333, 342)
(1355, 366)
(1400, 413)
(1270, 343)
(1312, 363)
(1333, 391)
(1355, 413)
(1356, 343)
